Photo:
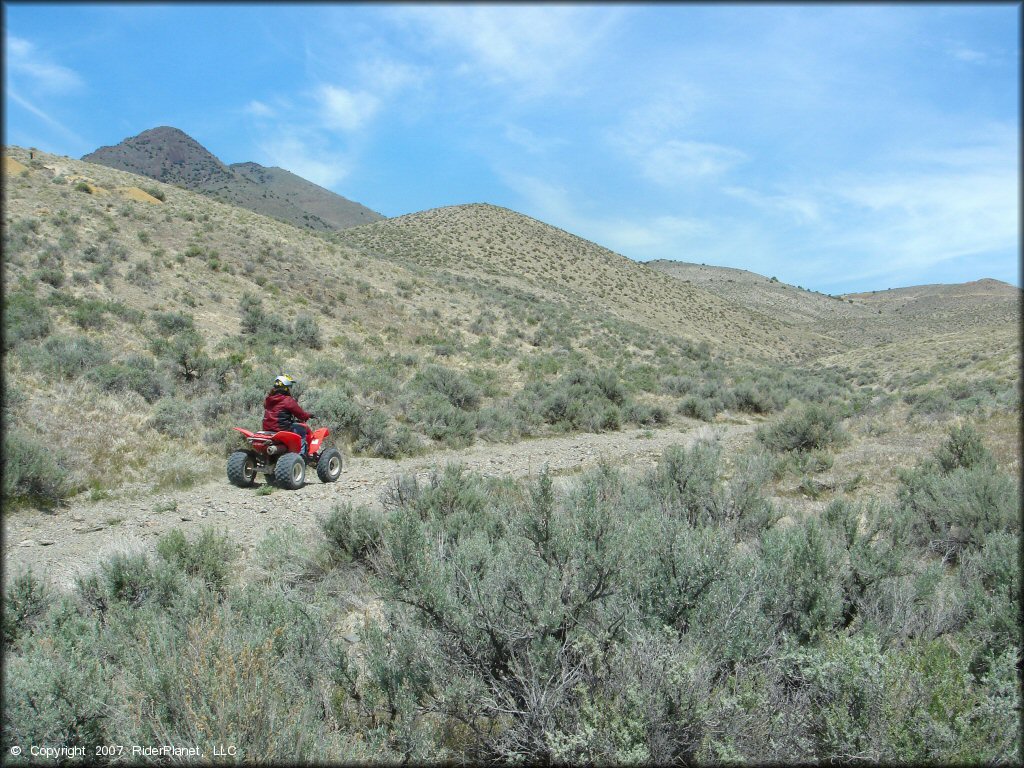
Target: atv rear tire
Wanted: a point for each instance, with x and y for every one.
(290, 471)
(242, 469)
(328, 467)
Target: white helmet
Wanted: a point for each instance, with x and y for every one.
(284, 381)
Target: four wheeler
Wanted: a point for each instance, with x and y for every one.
(276, 455)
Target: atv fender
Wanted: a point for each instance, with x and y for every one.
(291, 440)
(316, 440)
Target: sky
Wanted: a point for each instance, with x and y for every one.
(840, 148)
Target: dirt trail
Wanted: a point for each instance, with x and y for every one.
(60, 546)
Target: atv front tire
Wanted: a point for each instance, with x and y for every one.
(290, 471)
(328, 467)
(242, 469)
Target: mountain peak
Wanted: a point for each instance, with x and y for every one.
(170, 155)
(166, 154)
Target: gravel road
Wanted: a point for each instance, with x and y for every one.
(61, 545)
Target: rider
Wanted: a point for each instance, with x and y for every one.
(282, 412)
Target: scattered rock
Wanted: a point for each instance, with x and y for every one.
(26, 543)
(46, 542)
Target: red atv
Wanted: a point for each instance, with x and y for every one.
(276, 454)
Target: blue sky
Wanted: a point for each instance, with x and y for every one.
(837, 147)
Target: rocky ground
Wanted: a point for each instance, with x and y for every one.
(70, 541)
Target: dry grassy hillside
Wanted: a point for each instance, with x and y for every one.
(154, 309)
(791, 304)
(513, 249)
(855, 320)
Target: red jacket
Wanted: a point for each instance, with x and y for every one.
(281, 411)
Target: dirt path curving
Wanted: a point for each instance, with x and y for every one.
(60, 546)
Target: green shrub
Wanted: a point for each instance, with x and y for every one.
(26, 599)
(931, 402)
(335, 407)
(57, 696)
(494, 612)
(184, 354)
(645, 415)
(451, 385)
(173, 416)
(678, 385)
(957, 509)
(26, 318)
(805, 595)
(34, 472)
(68, 357)
(752, 399)
(580, 400)
(90, 314)
(963, 450)
(954, 500)
(256, 321)
(126, 579)
(353, 532)
(990, 577)
(803, 428)
(137, 375)
(210, 556)
(375, 436)
(306, 332)
(872, 553)
(685, 482)
(699, 408)
(172, 323)
(442, 421)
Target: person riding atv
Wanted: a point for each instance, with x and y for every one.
(282, 412)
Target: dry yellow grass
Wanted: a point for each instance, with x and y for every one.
(12, 166)
(134, 193)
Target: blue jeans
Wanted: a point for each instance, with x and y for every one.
(302, 431)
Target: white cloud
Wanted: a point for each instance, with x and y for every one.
(930, 218)
(672, 162)
(46, 118)
(669, 112)
(24, 60)
(656, 136)
(528, 46)
(642, 238)
(963, 53)
(306, 156)
(387, 76)
(259, 109)
(530, 141)
(802, 207)
(346, 110)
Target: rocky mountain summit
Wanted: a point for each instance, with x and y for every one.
(171, 156)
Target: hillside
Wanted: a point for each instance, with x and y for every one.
(171, 156)
(900, 334)
(168, 313)
(597, 512)
(792, 304)
(508, 248)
